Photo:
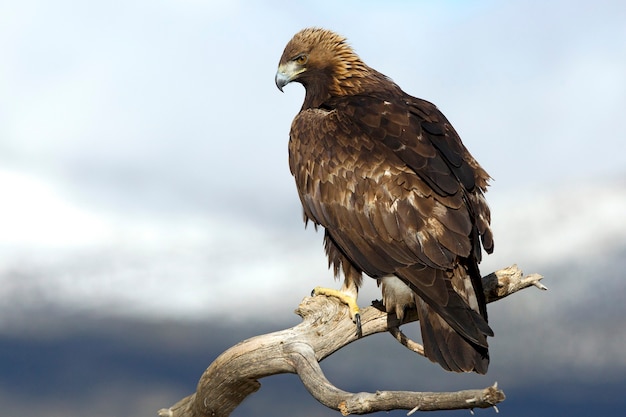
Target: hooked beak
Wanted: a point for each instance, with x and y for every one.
(281, 79)
(287, 73)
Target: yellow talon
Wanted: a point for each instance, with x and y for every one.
(347, 300)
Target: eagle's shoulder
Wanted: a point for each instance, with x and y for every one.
(413, 130)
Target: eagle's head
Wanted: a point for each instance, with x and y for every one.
(323, 62)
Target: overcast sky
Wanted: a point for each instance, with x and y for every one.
(143, 145)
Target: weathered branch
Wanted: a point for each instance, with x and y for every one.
(326, 327)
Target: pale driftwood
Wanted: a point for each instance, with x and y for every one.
(326, 327)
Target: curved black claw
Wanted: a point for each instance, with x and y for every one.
(313, 292)
(357, 320)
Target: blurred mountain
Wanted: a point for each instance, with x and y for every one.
(567, 362)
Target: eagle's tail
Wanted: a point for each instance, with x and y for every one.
(453, 316)
(445, 346)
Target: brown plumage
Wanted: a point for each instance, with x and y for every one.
(397, 193)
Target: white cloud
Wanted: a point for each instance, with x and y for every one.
(34, 214)
(547, 224)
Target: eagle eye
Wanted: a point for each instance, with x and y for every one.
(301, 59)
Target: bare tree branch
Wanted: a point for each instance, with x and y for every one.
(411, 345)
(326, 327)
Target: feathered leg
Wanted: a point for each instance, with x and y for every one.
(397, 296)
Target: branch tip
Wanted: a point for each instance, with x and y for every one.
(534, 280)
(343, 408)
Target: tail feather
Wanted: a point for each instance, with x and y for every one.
(453, 316)
(445, 346)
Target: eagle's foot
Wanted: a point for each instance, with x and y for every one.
(347, 299)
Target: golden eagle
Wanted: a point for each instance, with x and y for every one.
(399, 196)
